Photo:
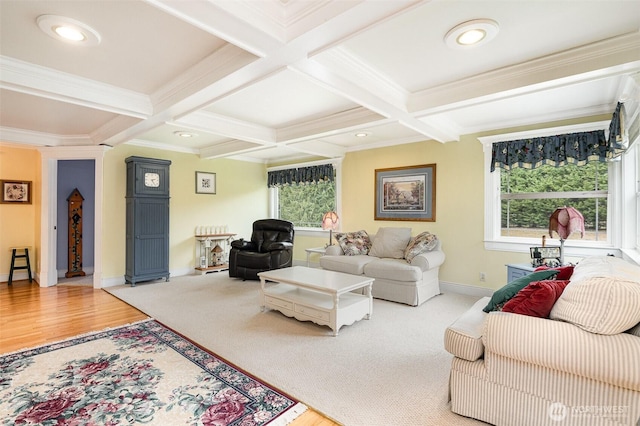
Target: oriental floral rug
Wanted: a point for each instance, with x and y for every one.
(143, 373)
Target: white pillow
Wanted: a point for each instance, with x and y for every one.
(390, 242)
(602, 305)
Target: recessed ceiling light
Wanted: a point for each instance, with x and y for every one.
(184, 134)
(362, 134)
(69, 30)
(471, 33)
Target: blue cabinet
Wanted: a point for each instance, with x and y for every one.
(147, 235)
(517, 270)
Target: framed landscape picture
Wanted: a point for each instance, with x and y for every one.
(406, 193)
(205, 183)
(16, 191)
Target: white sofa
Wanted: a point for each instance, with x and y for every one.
(396, 279)
(580, 366)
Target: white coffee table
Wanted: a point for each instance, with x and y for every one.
(317, 295)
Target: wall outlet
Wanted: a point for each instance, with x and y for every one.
(483, 276)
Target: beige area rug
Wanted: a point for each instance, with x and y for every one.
(390, 370)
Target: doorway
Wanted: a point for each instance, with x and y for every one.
(51, 156)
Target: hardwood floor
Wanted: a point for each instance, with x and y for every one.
(32, 316)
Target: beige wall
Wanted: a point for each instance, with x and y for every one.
(240, 198)
(20, 223)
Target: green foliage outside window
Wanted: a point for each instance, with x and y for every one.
(534, 213)
(304, 205)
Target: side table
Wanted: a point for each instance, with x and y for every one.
(517, 270)
(319, 250)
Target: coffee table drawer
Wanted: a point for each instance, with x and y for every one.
(314, 313)
(274, 301)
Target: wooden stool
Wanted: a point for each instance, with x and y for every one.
(15, 256)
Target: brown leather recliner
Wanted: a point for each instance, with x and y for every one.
(271, 247)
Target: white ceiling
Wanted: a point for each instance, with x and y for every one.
(276, 80)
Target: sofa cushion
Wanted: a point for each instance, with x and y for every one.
(393, 269)
(353, 243)
(502, 296)
(422, 243)
(536, 299)
(347, 264)
(390, 242)
(463, 338)
(602, 305)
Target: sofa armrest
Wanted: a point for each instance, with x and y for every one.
(333, 250)
(279, 245)
(428, 260)
(243, 244)
(463, 338)
(562, 346)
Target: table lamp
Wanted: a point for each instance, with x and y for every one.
(565, 221)
(330, 222)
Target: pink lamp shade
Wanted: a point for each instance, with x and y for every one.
(565, 221)
(330, 222)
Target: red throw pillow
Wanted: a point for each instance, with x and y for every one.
(536, 299)
(564, 272)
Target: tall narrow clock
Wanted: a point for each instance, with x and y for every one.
(74, 235)
(147, 234)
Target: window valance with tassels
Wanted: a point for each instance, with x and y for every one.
(301, 175)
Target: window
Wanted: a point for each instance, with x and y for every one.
(529, 196)
(302, 194)
(518, 202)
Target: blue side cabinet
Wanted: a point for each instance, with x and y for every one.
(147, 235)
(517, 270)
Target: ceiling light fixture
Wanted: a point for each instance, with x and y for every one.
(362, 134)
(184, 134)
(471, 33)
(69, 30)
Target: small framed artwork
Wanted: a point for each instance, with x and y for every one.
(16, 191)
(205, 183)
(406, 193)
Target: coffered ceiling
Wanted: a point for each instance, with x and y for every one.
(277, 80)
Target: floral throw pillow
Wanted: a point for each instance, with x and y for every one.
(420, 244)
(353, 243)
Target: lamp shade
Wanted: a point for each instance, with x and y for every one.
(330, 221)
(565, 221)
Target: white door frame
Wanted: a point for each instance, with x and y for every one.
(48, 222)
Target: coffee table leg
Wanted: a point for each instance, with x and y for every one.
(369, 294)
(334, 315)
(262, 296)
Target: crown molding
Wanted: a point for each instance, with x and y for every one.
(351, 67)
(161, 146)
(613, 56)
(221, 63)
(34, 138)
(223, 149)
(226, 126)
(24, 77)
(341, 122)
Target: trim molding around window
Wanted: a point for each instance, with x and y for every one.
(574, 247)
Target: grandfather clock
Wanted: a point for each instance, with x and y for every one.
(147, 239)
(74, 235)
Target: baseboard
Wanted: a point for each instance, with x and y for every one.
(469, 290)
(88, 270)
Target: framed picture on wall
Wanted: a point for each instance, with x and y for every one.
(406, 193)
(16, 191)
(205, 183)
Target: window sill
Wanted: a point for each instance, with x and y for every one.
(572, 248)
